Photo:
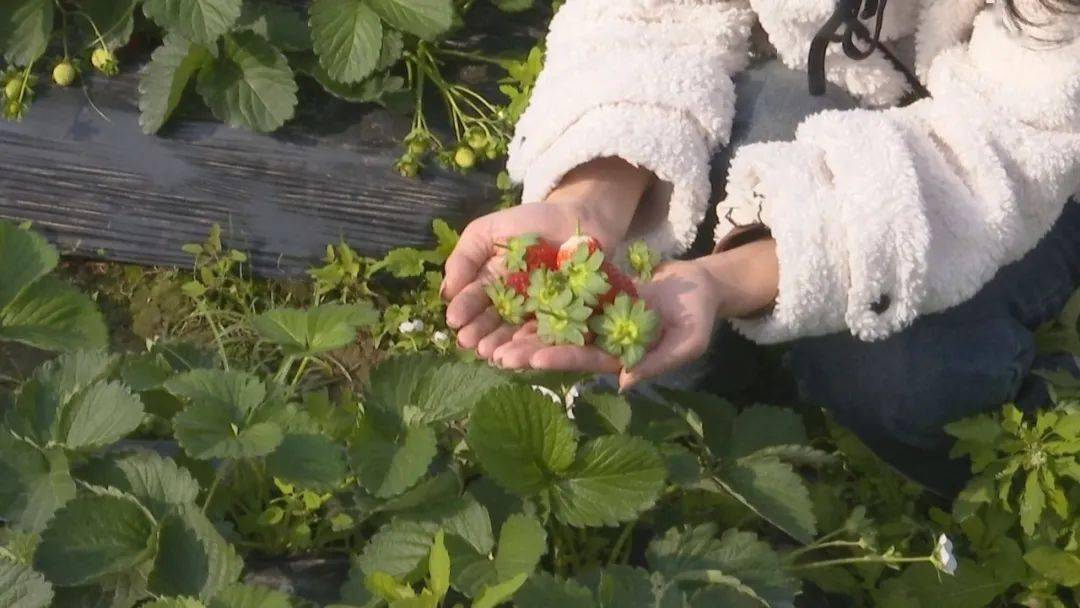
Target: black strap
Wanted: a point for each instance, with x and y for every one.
(848, 18)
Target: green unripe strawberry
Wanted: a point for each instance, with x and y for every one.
(477, 139)
(13, 88)
(64, 74)
(417, 147)
(105, 61)
(465, 158)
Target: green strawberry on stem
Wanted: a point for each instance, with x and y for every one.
(568, 325)
(584, 277)
(626, 329)
(548, 290)
(642, 259)
(507, 301)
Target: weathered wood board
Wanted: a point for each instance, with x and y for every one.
(79, 167)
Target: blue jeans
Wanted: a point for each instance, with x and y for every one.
(897, 394)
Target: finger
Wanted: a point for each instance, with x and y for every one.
(473, 250)
(477, 329)
(517, 353)
(495, 339)
(526, 330)
(675, 349)
(569, 358)
(473, 300)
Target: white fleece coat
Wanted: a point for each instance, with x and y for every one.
(879, 215)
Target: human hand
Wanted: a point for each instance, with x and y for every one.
(599, 198)
(682, 294)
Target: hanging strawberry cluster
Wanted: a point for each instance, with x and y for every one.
(576, 295)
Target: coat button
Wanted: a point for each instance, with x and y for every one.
(883, 303)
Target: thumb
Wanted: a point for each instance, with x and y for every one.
(473, 250)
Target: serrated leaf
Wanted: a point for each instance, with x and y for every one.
(398, 548)
(308, 461)
(446, 237)
(973, 586)
(763, 426)
(21, 587)
(305, 333)
(370, 90)
(92, 536)
(218, 421)
(604, 412)
(25, 26)
(521, 438)
(114, 20)
(773, 490)
(543, 590)
(439, 390)
(499, 593)
(155, 481)
(175, 602)
(716, 415)
(1057, 565)
(201, 21)
(423, 18)
(1032, 503)
(979, 430)
(105, 413)
(439, 567)
(27, 257)
(192, 557)
(471, 571)
(250, 596)
(613, 480)
(33, 483)
(284, 26)
(171, 68)
(522, 542)
(39, 409)
(250, 85)
(52, 315)
(802, 455)
(387, 466)
(626, 587)
(347, 37)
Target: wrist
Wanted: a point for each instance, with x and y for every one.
(744, 280)
(603, 195)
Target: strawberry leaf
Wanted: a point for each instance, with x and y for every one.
(220, 420)
(34, 483)
(21, 587)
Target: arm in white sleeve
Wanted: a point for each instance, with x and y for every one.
(883, 216)
(648, 81)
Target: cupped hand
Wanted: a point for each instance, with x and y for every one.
(683, 294)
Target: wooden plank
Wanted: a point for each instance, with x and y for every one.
(99, 188)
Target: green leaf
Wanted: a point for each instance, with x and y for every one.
(522, 542)
(33, 483)
(171, 68)
(627, 587)
(979, 430)
(175, 602)
(305, 333)
(21, 587)
(543, 590)
(284, 26)
(192, 557)
(445, 237)
(52, 315)
(398, 548)
(1057, 565)
(370, 90)
(605, 412)
(973, 586)
(218, 422)
(1032, 503)
(773, 490)
(438, 390)
(93, 536)
(387, 466)
(499, 593)
(347, 37)
(114, 20)
(39, 409)
(439, 567)
(763, 426)
(424, 18)
(27, 257)
(250, 85)
(25, 26)
(201, 21)
(105, 413)
(250, 596)
(613, 480)
(308, 461)
(521, 438)
(155, 481)
(716, 415)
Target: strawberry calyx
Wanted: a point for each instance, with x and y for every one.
(568, 325)
(506, 301)
(548, 290)
(626, 329)
(516, 249)
(643, 259)
(584, 277)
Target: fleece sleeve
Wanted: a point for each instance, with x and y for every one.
(648, 81)
(883, 216)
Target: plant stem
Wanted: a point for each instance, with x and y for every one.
(300, 371)
(820, 545)
(217, 335)
(866, 559)
(219, 475)
(624, 538)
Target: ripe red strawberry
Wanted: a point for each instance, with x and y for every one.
(572, 245)
(543, 254)
(620, 283)
(519, 281)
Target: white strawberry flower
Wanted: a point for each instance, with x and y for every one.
(547, 392)
(440, 337)
(570, 399)
(411, 326)
(943, 557)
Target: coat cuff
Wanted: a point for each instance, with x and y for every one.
(668, 143)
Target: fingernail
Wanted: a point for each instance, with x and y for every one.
(442, 289)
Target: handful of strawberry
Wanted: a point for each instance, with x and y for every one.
(576, 296)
